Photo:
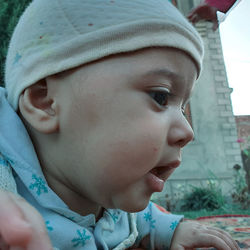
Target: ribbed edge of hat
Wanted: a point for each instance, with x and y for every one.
(98, 44)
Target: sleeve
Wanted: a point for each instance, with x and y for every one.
(222, 14)
(221, 5)
(7, 181)
(157, 227)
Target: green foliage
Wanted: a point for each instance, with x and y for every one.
(208, 198)
(240, 193)
(239, 181)
(246, 151)
(10, 11)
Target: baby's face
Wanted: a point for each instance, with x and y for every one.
(122, 127)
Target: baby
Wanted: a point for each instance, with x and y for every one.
(99, 88)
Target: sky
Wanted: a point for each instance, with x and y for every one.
(235, 38)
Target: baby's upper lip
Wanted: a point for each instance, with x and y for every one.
(173, 164)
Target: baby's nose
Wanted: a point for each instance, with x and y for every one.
(180, 133)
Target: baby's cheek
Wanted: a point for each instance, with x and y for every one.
(148, 150)
(141, 150)
(132, 152)
(151, 141)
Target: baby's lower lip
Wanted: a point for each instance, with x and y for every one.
(154, 182)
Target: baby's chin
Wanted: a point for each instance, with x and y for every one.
(134, 207)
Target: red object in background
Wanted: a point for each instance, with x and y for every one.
(221, 5)
(161, 209)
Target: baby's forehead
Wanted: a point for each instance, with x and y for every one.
(145, 65)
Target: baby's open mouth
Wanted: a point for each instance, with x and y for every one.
(159, 172)
(162, 172)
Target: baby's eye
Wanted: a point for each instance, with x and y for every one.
(161, 96)
(183, 110)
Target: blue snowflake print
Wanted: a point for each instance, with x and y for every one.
(114, 216)
(49, 228)
(81, 240)
(17, 58)
(148, 218)
(152, 223)
(174, 225)
(39, 185)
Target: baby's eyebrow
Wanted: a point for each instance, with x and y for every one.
(164, 72)
(176, 81)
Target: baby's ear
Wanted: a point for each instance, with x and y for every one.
(38, 108)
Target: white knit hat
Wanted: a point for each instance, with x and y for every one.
(56, 35)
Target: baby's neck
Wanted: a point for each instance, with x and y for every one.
(73, 200)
